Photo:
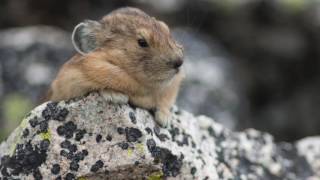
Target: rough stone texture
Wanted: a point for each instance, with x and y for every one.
(30, 58)
(89, 138)
(211, 86)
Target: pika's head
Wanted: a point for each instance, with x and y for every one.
(132, 40)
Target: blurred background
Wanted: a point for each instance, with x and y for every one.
(249, 63)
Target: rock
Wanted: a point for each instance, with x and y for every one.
(30, 58)
(211, 76)
(91, 139)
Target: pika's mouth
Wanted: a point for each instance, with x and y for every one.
(177, 70)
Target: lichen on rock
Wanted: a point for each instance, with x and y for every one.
(89, 138)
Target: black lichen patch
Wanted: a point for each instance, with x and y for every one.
(149, 131)
(161, 136)
(67, 130)
(211, 132)
(178, 112)
(55, 169)
(43, 126)
(4, 172)
(98, 138)
(72, 154)
(184, 140)
(73, 148)
(79, 156)
(61, 130)
(193, 144)
(199, 151)
(156, 130)
(193, 170)
(51, 112)
(44, 145)
(174, 132)
(37, 174)
(25, 133)
(54, 112)
(124, 145)
(109, 137)
(171, 163)
(64, 153)
(120, 130)
(80, 134)
(65, 144)
(33, 122)
(70, 176)
(25, 160)
(85, 152)
(74, 166)
(99, 164)
(133, 117)
(133, 134)
(136, 163)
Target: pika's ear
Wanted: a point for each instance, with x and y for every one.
(84, 36)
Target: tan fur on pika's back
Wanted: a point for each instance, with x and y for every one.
(127, 56)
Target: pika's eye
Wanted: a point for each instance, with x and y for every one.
(143, 43)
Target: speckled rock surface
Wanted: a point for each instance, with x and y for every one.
(88, 138)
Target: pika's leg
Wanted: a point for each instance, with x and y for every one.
(163, 117)
(159, 105)
(114, 97)
(165, 100)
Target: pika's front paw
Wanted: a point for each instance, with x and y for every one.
(114, 97)
(163, 118)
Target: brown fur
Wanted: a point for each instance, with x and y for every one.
(145, 75)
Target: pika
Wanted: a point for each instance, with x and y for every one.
(129, 57)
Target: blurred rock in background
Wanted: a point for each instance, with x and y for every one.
(211, 85)
(30, 57)
(250, 63)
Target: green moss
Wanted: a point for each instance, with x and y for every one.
(294, 5)
(130, 152)
(227, 6)
(15, 107)
(46, 135)
(156, 176)
(82, 178)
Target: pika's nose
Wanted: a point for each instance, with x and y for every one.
(177, 63)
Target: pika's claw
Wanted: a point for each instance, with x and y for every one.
(114, 97)
(163, 118)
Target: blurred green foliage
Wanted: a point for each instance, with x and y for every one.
(15, 107)
(295, 5)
